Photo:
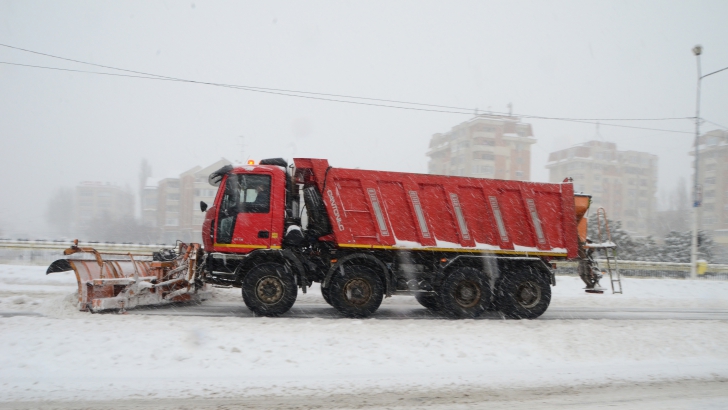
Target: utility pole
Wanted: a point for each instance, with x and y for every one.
(697, 195)
(697, 50)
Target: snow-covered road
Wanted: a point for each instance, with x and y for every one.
(62, 354)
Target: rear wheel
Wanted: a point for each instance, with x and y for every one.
(524, 294)
(465, 293)
(429, 300)
(269, 289)
(357, 292)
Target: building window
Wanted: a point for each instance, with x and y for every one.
(483, 128)
(483, 141)
(519, 174)
(710, 181)
(173, 197)
(482, 170)
(486, 155)
(205, 192)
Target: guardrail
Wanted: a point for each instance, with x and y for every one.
(20, 252)
(650, 269)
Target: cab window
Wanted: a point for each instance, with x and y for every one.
(247, 194)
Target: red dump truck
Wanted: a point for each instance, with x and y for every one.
(460, 245)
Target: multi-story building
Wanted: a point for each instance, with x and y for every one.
(713, 178)
(623, 182)
(168, 209)
(149, 204)
(194, 187)
(487, 146)
(97, 200)
(176, 203)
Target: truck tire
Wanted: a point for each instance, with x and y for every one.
(357, 292)
(325, 294)
(430, 301)
(269, 290)
(465, 293)
(524, 294)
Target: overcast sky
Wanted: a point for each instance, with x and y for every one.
(561, 59)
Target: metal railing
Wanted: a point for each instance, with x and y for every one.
(20, 252)
(642, 269)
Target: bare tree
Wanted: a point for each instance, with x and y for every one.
(676, 217)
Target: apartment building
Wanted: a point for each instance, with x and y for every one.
(174, 203)
(168, 195)
(98, 200)
(487, 146)
(194, 187)
(624, 183)
(713, 179)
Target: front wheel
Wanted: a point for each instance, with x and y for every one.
(357, 292)
(269, 289)
(325, 295)
(524, 294)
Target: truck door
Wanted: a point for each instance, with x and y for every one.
(244, 218)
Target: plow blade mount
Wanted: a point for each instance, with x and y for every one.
(125, 280)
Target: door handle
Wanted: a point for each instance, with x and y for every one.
(263, 234)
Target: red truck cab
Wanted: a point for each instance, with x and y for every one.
(249, 210)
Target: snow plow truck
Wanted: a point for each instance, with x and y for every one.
(459, 245)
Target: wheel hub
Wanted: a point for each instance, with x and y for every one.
(269, 290)
(357, 292)
(528, 294)
(467, 294)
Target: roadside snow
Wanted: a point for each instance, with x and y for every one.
(67, 354)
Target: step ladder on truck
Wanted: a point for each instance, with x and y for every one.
(589, 269)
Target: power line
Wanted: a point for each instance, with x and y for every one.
(469, 110)
(715, 123)
(162, 78)
(462, 111)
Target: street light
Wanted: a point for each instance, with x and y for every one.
(697, 50)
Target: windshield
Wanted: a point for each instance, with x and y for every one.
(247, 194)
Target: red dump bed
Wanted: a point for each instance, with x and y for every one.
(393, 210)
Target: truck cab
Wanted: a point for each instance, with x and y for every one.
(249, 210)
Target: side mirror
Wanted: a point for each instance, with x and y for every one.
(203, 206)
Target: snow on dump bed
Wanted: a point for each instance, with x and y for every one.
(66, 354)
